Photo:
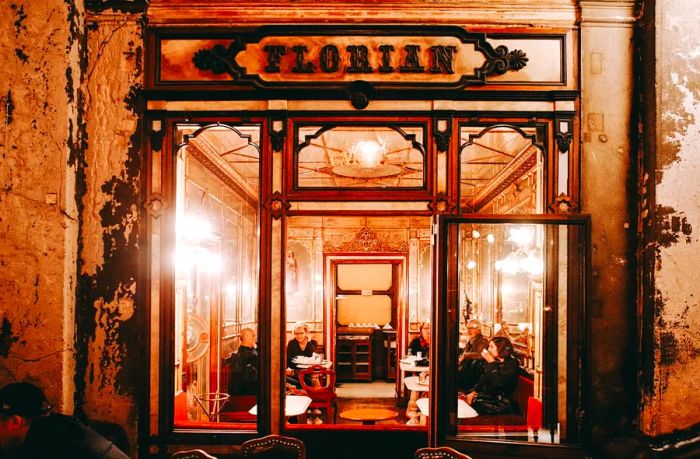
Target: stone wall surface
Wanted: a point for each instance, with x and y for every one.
(39, 140)
(110, 355)
(672, 403)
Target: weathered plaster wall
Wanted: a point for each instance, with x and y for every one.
(606, 79)
(110, 354)
(40, 140)
(671, 399)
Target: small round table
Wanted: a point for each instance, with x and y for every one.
(368, 416)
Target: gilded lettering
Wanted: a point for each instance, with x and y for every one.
(300, 66)
(386, 51)
(412, 62)
(274, 54)
(442, 57)
(359, 59)
(329, 59)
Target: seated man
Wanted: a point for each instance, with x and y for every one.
(27, 430)
(471, 361)
(243, 365)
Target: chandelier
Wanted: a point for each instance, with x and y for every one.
(365, 159)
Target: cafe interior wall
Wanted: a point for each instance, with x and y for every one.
(70, 209)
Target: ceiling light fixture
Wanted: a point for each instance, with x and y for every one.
(365, 159)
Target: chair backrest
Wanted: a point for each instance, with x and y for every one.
(192, 454)
(325, 378)
(274, 446)
(443, 452)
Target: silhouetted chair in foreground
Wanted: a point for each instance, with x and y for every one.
(274, 446)
(319, 384)
(192, 454)
(443, 452)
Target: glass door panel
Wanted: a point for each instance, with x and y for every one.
(512, 314)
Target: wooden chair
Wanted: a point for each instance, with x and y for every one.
(443, 452)
(274, 446)
(319, 384)
(192, 454)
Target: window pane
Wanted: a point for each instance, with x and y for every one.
(216, 276)
(518, 292)
(360, 157)
(500, 170)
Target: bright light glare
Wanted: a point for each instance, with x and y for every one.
(368, 153)
(471, 264)
(522, 236)
(476, 234)
(193, 229)
(490, 238)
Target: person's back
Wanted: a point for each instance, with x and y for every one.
(28, 431)
(60, 436)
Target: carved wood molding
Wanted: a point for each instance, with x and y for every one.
(441, 204)
(277, 205)
(221, 59)
(365, 240)
(209, 164)
(512, 172)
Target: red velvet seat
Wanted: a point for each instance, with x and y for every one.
(319, 384)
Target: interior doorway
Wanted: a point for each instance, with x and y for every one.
(366, 306)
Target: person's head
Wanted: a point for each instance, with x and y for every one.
(301, 332)
(424, 330)
(248, 337)
(473, 327)
(500, 347)
(20, 404)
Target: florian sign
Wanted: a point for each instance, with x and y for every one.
(383, 57)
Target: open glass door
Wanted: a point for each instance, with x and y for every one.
(511, 318)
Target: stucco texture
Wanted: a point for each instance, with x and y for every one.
(676, 388)
(38, 217)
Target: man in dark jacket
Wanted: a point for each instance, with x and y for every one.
(471, 362)
(28, 431)
(243, 364)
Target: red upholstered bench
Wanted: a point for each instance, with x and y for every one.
(529, 415)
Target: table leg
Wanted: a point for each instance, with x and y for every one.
(412, 409)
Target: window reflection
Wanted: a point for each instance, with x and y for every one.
(504, 372)
(216, 275)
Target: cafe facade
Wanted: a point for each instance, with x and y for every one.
(367, 169)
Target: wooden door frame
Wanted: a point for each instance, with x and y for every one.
(331, 260)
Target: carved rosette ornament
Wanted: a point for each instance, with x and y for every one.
(441, 204)
(278, 205)
(365, 240)
(154, 205)
(563, 204)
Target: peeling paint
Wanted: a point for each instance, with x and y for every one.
(7, 339)
(21, 16)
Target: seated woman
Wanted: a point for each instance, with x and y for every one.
(243, 366)
(421, 343)
(301, 345)
(492, 392)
